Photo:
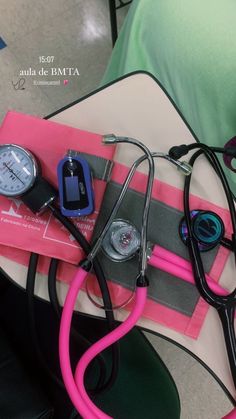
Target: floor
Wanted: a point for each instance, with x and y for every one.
(69, 33)
(36, 36)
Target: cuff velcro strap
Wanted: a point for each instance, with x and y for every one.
(101, 168)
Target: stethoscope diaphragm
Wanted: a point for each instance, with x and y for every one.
(207, 228)
(122, 241)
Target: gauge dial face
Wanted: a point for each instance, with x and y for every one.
(18, 170)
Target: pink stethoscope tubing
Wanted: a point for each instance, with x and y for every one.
(75, 387)
(109, 339)
(167, 261)
(161, 259)
(64, 342)
(231, 415)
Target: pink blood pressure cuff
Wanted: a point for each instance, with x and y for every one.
(172, 302)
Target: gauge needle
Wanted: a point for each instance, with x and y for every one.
(10, 170)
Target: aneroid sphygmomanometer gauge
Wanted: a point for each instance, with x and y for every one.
(18, 170)
(122, 241)
(20, 177)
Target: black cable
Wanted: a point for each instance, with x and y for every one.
(78, 338)
(225, 305)
(218, 168)
(74, 414)
(103, 287)
(179, 151)
(30, 285)
(212, 158)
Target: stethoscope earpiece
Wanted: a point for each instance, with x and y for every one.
(207, 228)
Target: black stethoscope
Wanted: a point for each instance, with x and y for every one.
(196, 237)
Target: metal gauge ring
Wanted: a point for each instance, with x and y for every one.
(18, 170)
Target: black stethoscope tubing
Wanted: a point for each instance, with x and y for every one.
(225, 305)
(103, 287)
(30, 286)
(30, 283)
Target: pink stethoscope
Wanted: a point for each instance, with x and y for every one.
(122, 242)
(157, 257)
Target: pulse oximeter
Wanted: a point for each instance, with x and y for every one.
(75, 186)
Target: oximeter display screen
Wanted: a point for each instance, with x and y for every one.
(72, 188)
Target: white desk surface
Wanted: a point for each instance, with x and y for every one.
(136, 106)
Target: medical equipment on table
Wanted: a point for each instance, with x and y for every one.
(120, 226)
(75, 387)
(122, 241)
(20, 176)
(102, 344)
(78, 394)
(75, 186)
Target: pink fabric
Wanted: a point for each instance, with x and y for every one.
(49, 141)
(231, 415)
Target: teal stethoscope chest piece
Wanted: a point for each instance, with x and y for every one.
(208, 229)
(18, 170)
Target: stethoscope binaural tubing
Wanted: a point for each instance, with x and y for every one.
(211, 297)
(225, 305)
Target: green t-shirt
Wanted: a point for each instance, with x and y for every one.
(189, 46)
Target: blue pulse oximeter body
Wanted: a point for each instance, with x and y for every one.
(75, 186)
